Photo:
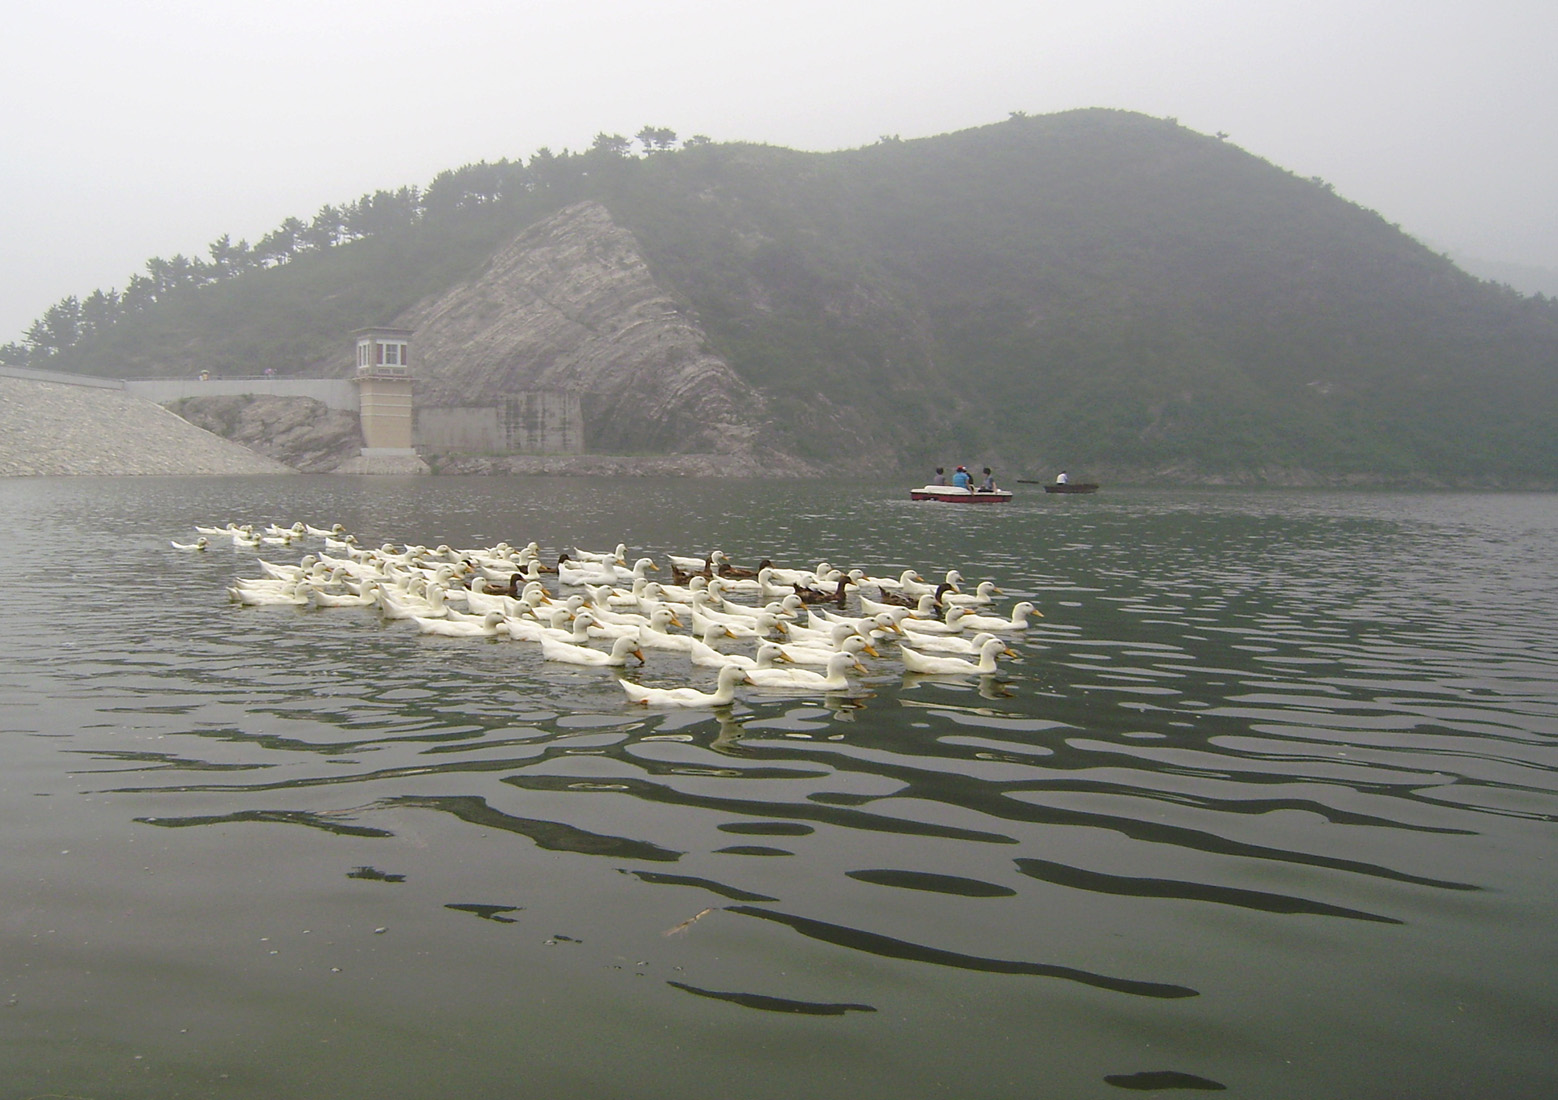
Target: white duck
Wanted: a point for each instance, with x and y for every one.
(937, 665)
(577, 634)
(683, 593)
(722, 696)
(292, 592)
(804, 679)
(817, 655)
(703, 653)
(655, 636)
(788, 608)
(576, 574)
(882, 622)
(868, 606)
(603, 627)
(200, 543)
(619, 556)
(1017, 621)
(290, 572)
(830, 636)
(526, 629)
(954, 623)
(504, 573)
(403, 604)
(621, 649)
(485, 627)
(641, 595)
(687, 564)
(893, 584)
(983, 595)
(953, 579)
(708, 606)
(769, 588)
(479, 599)
(597, 572)
(365, 596)
(951, 643)
(640, 568)
(740, 626)
(607, 612)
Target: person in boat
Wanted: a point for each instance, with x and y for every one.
(988, 484)
(1061, 478)
(941, 476)
(961, 478)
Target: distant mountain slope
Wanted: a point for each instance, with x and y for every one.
(1094, 289)
(1105, 290)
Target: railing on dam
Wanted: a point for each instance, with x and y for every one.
(64, 378)
(337, 393)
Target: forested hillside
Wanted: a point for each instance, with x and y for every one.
(1095, 289)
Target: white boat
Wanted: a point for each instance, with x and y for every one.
(956, 494)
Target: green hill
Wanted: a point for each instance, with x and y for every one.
(1094, 289)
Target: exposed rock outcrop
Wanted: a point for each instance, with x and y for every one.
(49, 428)
(305, 434)
(570, 304)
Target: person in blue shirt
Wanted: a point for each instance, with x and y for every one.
(961, 478)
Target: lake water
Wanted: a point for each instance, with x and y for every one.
(1265, 802)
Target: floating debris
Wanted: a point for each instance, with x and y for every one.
(373, 874)
(689, 922)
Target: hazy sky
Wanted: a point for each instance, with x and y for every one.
(148, 128)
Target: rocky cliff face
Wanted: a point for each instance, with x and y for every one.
(570, 304)
(298, 431)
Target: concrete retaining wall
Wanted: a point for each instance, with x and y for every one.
(537, 423)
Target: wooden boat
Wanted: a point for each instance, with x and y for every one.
(1071, 487)
(953, 494)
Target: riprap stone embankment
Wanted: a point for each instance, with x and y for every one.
(53, 429)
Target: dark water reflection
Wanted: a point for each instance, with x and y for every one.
(1263, 804)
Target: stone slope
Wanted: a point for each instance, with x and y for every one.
(570, 304)
(52, 429)
(305, 434)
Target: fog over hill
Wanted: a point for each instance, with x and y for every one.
(1098, 290)
(1526, 278)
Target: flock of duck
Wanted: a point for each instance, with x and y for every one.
(601, 609)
